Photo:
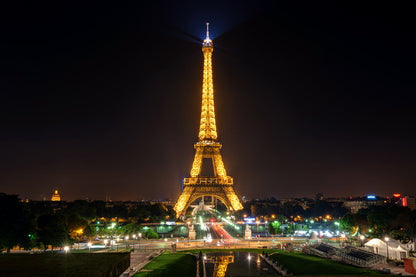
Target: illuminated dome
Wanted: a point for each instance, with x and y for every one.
(55, 196)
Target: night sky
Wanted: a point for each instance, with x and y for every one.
(103, 98)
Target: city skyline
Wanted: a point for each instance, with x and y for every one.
(312, 98)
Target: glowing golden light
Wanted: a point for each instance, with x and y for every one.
(207, 127)
(220, 185)
(79, 231)
(55, 196)
(221, 264)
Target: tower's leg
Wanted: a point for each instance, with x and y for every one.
(183, 200)
(232, 197)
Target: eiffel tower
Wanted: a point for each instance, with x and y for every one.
(218, 184)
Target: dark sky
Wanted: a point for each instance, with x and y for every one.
(105, 98)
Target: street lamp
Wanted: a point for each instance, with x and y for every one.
(362, 240)
(140, 236)
(105, 243)
(386, 239)
(89, 246)
(126, 238)
(66, 249)
(134, 237)
(337, 224)
(343, 237)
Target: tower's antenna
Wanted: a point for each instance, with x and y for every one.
(207, 30)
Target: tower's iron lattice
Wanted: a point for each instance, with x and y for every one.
(219, 184)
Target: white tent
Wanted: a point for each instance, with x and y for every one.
(395, 250)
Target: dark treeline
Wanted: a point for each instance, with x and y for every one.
(378, 221)
(305, 208)
(44, 223)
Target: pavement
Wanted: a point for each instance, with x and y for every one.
(138, 260)
(395, 270)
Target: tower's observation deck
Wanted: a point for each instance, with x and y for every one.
(207, 148)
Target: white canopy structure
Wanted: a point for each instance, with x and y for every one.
(392, 249)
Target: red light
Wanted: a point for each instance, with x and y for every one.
(397, 195)
(404, 202)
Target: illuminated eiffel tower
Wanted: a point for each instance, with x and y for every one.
(217, 184)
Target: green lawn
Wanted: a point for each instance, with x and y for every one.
(172, 265)
(60, 264)
(302, 264)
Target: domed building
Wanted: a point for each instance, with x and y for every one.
(56, 196)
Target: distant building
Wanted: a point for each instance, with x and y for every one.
(404, 201)
(56, 196)
(409, 201)
(355, 204)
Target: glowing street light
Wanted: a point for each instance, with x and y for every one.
(89, 246)
(343, 237)
(66, 249)
(362, 240)
(337, 224)
(386, 239)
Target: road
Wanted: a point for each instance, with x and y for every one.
(183, 243)
(220, 231)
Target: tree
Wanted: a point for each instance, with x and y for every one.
(16, 224)
(27, 237)
(150, 234)
(79, 228)
(52, 230)
(354, 222)
(82, 208)
(274, 227)
(130, 229)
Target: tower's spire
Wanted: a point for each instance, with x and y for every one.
(207, 38)
(207, 41)
(207, 126)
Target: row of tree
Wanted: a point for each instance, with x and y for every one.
(378, 221)
(314, 209)
(138, 211)
(49, 223)
(43, 224)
